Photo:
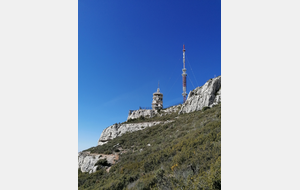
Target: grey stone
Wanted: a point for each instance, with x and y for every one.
(207, 95)
(116, 130)
(87, 161)
(141, 112)
(135, 114)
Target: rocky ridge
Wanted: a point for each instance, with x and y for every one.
(141, 112)
(115, 130)
(205, 96)
(152, 113)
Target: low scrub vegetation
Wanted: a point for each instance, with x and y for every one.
(102, 162)
(184, 154)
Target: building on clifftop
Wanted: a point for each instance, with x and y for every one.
(157, 102)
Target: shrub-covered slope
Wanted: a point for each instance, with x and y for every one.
(184, 154)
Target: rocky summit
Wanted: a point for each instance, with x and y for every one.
(205, 96)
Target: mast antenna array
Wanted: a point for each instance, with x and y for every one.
(184, 76)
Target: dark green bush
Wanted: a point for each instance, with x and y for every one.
(205, 108)
(102, 162)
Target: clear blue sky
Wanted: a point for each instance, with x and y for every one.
(126, 47)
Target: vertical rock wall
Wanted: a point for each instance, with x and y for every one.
(115, 130)
(207, 95)
(86, 162)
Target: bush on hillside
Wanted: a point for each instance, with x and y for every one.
(102, 162)
(205, 108)
(184, 154)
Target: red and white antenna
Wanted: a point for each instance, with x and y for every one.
(184, 76)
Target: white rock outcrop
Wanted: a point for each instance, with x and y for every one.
(115, 130)
(152, 113)
(141, 112)
(170, 110)
(87, 161)
(217, 98)
(207, 95)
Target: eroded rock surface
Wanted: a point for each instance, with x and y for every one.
(115, 130)
(207, 95)
(170, 110)
(87, 161)
(135, 114)
(141, 112)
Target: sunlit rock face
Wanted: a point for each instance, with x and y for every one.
(141, 112)
(87, 161)
(115, 130)
(170, 110)
(135, 114)
(207, 95)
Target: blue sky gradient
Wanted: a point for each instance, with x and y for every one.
(126, 47)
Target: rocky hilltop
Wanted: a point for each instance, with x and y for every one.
(183, 153)
(171, 148)
(205, 96)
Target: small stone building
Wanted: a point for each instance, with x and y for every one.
(157, 102)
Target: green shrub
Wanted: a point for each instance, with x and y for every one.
(205, 108)
(108, 152)
(102, 162)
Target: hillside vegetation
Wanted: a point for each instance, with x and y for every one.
(183, 154)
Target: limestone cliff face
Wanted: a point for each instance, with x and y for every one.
(207, 95)
(141, 112)
(115, 130)
(86, 162)
(151, 113)
(170, 110)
